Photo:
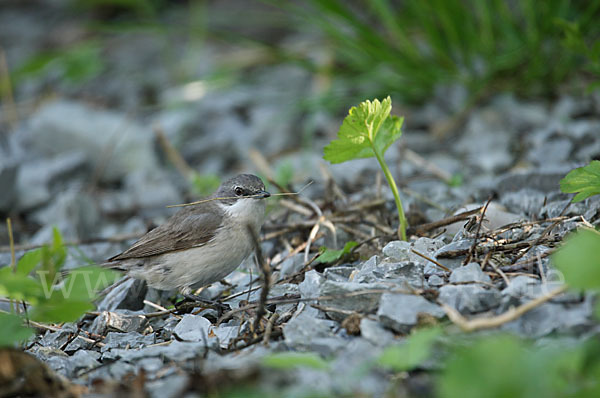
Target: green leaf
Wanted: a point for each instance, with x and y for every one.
(329, 255)
(361, 132)
(83, 283)
(58, 310)
(578, 259)
(12, 330)
(292, 360)
(29, 261)
(19, 287)
(584, 180)
(505, 366)
(412, 353)
(390, 132)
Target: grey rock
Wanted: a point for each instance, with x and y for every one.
(63, 126)
(82, 360)
(407, 273)
(171, 386)
(364, 303)
(398, 250)
(551, 152)
(454, 248)
(176, 351)
(550, 317)
(366, 270)
(492, 152)
(400, 312)
(150, 365)
(291, 265)
(58, 338)
(373, 332)
(469, 273)
(338, 274)
(307, 333)
(121, 321)
(311, 285)
(521, 286)
(225, 334)
(469, 298)
(8, 177)
(126, 295)
(435, 281)
(75, 206)
(527, 201)
(355, 355)
(193, 328)
(36, 178)
(151, 188)
(543, 180)
(114, 340)
(401, 251)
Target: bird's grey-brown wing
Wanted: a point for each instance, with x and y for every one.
(190, 227)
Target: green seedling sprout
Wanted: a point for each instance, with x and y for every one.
(368, 131)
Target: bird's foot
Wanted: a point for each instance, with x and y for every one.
(191, 301)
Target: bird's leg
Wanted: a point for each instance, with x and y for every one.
(191, 300)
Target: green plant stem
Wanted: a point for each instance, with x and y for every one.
(394, 187)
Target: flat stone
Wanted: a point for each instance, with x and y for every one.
(36, 178)
(192, 328)
(373, 332)
(469, 273)
(127, 295)
(364, 303)
(400, 311)
(435, 281)
(305, 332)
(122, 321)
(62, 126)
(469, 298)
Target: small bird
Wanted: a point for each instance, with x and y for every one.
(201, 243)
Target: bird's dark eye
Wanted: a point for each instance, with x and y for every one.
(238, 191)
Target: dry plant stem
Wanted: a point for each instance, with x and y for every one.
(543, 234)
(41, 326)
(6, 92)
(172, 154)
(394, 188)
(424, 164)
(269, 328)
(476, 238)
(470, 325)
(431, 260)
(423, 228)
(320, 298)
(266, 279)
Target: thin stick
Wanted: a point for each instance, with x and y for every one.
(266, 279)
(237, 197)
(476, 238)
(470, 325)
(431, 260)
(421, 229)
(543, 234)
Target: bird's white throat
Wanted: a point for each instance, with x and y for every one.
(246, 211)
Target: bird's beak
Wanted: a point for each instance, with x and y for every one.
(262, 194)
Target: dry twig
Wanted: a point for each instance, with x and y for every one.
(470, 325)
